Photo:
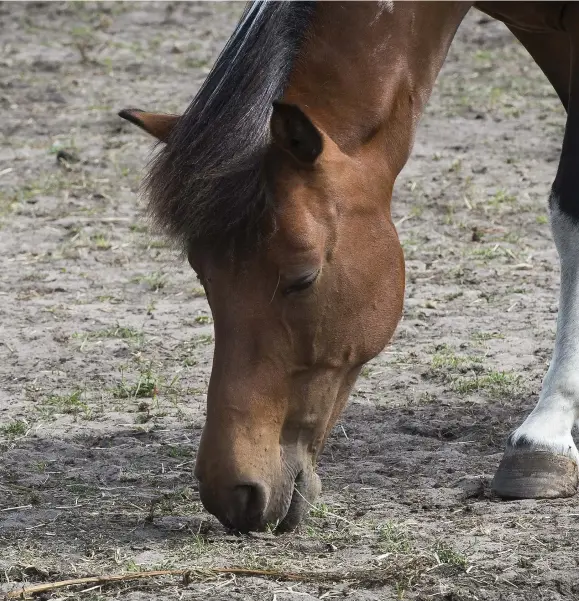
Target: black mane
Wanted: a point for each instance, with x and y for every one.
(206, 187)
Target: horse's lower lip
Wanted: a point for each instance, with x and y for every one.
(306, 488)
(295, 495)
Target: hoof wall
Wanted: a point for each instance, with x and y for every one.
(535, 475)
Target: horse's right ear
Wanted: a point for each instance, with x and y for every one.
(293, 131)
(158, 125)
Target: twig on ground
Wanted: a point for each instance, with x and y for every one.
(374, 576)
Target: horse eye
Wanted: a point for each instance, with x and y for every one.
(302, 284)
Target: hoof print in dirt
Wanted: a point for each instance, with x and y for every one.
(472, 487)
(63, 156)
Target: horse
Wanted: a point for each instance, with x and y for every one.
(277, 181)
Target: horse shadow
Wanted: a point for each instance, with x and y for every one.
(133, 487)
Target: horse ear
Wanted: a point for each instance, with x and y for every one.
(157, 124)
(293, 131)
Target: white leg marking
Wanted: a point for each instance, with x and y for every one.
(549, 425)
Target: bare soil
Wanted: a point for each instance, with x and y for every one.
(106, 337)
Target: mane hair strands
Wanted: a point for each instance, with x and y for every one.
(206, 186)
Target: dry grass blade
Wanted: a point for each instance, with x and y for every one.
(100, 580)
(379, 575)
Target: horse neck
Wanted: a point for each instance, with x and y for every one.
(367, 69)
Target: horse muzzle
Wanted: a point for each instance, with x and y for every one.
(253, 504)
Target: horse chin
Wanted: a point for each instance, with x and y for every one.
(307, 487)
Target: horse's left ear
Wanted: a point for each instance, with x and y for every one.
(293, 131)
(158, 125)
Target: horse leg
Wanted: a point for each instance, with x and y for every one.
(552, 53)
(541, 459)
(539, 28)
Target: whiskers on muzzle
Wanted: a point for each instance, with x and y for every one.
(256, 505)
(306, 488)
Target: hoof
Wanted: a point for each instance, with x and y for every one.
(535, 475)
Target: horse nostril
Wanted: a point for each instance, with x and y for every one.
(241, 508)
(249, 502)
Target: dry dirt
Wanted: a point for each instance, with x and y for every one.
(106, 338)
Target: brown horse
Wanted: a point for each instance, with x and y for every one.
(277, 182)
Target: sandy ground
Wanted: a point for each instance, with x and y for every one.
(106, 337)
